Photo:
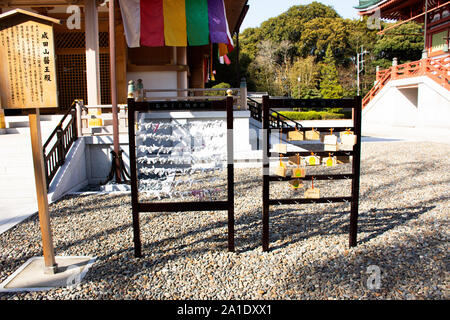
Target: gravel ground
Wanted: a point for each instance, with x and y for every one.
(403, 229)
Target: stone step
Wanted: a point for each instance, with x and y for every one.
(23, 122)
(105, 130)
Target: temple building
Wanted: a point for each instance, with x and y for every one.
(414, 94)
(82, 48)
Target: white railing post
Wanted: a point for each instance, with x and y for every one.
(243, 93)
(78, 106)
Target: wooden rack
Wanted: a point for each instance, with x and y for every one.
(269, 104)
(138, 207)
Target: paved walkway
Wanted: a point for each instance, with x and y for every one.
(17, 188)
(17, 185)
(438, 135)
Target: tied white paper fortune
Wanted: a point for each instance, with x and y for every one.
(207, 146)
(168, 171)
(184, 194)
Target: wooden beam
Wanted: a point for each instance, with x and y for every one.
(182, 77)
(50, 266)
(92, 53)
(135, 68)
(121, 59)
(112, 64)
(413, 18)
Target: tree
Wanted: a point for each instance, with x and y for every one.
(303, 34)
(404, 42)
(288, 26)
(330, 87)
(270, 67)
(304, 78)
(320, 33)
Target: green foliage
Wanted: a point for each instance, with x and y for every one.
(330, 87)
(404, 42)
(222, 85)
(289, 26)
(332, 115)
(314, 44)
(304, 77)
(311, 115)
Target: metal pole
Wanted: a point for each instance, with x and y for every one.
(238, 67)
(112, 66)
(425, 53)
(266, 172)
(357, 73)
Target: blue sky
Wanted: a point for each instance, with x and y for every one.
(261, 10)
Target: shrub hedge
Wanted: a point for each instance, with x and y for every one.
(313, 115)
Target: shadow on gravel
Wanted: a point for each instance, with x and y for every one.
(296, 227)
(412, 268)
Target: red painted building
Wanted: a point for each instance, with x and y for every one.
(415, 93)
(437, 18)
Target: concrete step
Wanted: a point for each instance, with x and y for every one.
(23, 122)
(8, 174)
(105, 130)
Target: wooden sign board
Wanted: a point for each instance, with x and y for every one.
(330, 139)
(312, 193)
(312, 161)
(281, 170)
(330, 147)
(296, 184)
(348, 139)
(27, 61)
(280, 148)
(298, 172)
(329, 161)
(296, 135)
(312, 135)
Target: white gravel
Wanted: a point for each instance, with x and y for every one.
(403, 229)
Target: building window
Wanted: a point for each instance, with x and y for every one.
(438, 40)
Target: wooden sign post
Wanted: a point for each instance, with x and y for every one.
(41, 192)
(28, 81)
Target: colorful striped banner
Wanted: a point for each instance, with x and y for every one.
(158, 23)
(175, 23)
(152, 23)
(217, 21)
(197, 22)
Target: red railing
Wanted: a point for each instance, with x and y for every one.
(436, 69)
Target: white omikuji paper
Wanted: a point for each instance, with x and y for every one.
(165, 149)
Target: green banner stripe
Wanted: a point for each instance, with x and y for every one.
(197, 22)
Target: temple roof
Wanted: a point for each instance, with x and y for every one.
(394, 9)
(364, 4)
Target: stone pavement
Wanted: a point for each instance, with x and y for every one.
(17, 185)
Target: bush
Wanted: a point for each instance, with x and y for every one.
(221, 85)
(332, 116)
(295, 115)
(311, 115)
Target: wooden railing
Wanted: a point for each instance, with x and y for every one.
(436, 69)
(64, 137)
(196, 94)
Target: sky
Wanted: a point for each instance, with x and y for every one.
(261, 10)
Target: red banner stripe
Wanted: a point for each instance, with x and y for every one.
(152, 23)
